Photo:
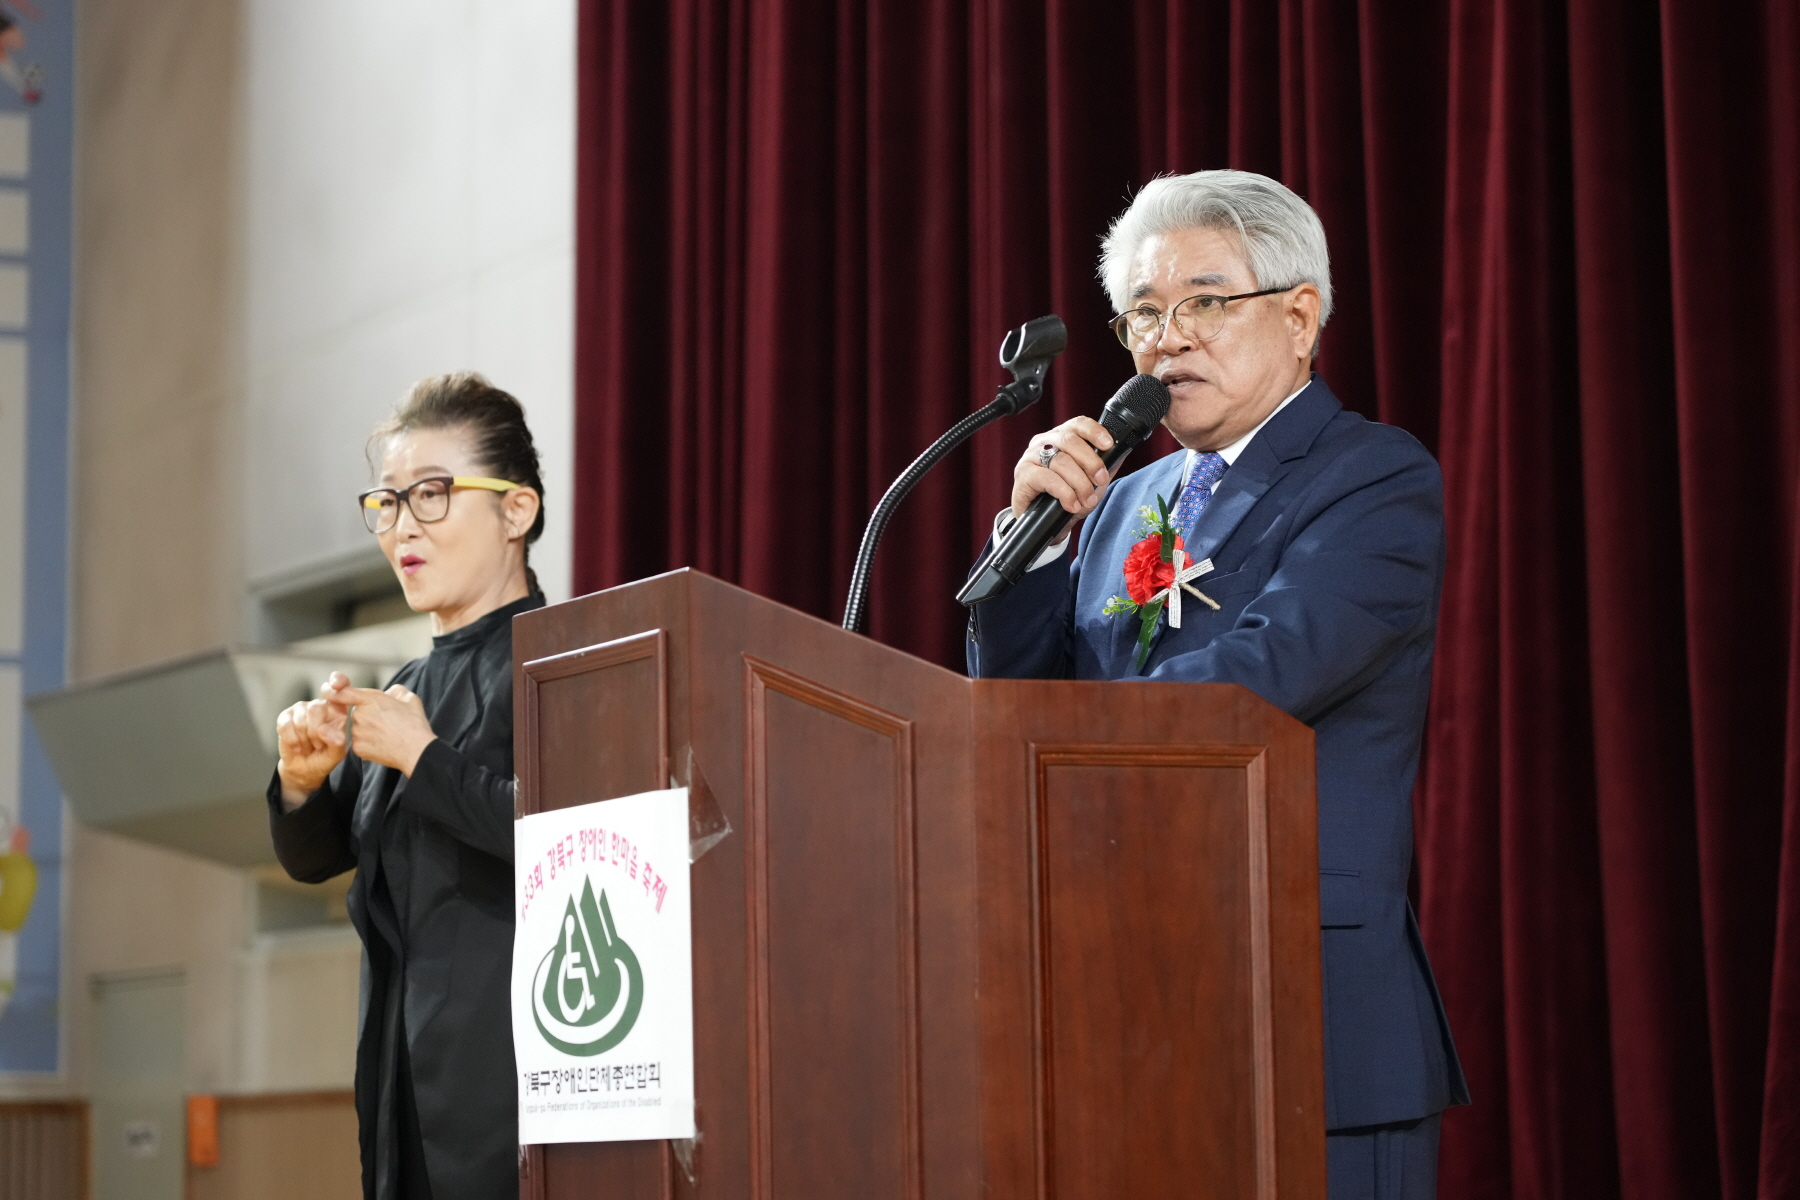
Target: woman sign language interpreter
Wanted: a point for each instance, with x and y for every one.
(412, 787)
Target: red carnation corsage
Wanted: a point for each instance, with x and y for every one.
(1151, 579)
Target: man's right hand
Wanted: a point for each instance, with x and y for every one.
(1075, 475)
(310, 739)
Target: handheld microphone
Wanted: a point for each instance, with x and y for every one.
(1130, 416)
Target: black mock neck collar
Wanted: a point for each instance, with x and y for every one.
(483, 627)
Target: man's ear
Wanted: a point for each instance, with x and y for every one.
(519, 509)
(1302, 312)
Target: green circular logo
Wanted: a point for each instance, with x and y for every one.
(588, 989)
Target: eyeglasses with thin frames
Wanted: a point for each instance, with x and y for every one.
(1199, 317)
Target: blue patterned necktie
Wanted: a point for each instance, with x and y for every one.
(1209, 468)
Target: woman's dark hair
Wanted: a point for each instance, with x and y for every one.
(496, 425)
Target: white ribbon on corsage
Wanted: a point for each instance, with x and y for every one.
(1182, 583)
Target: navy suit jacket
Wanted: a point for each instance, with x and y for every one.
(1327, 538)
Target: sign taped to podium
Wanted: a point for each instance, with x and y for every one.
(602, 972)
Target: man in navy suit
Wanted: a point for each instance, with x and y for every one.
(1326, 539)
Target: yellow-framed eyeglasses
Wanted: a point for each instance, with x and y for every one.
(428, 499)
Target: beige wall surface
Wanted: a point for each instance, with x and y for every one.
(157, 544)
(158, 391)
(138, 908)
(284, 214)
(283, 1148)
(299, 1011)
(273, 1012)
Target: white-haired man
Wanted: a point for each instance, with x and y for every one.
(1326, 536)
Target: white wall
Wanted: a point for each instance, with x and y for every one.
(409, 203)
(299, 1003)
(408, 209)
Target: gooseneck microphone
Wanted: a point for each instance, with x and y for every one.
(1027, 352)
(1130, 416)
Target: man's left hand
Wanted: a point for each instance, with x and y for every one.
(388, 727)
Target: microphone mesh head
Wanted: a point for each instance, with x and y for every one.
(1136, 409)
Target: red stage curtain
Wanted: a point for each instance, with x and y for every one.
(1566, 243)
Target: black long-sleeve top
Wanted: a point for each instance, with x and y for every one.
(433, 901)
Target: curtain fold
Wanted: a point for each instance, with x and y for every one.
(1643, 755)
(1564, 236)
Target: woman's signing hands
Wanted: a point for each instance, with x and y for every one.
(387, 727)
(310, 737)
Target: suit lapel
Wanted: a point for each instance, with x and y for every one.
(1286, 438)
(1269, 456)
(1161, 479)
(1236, 495)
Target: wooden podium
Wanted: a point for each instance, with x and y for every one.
(982, 940)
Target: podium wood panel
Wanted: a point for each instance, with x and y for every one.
(832, 950)
(1013, 939)
(1174, 958)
